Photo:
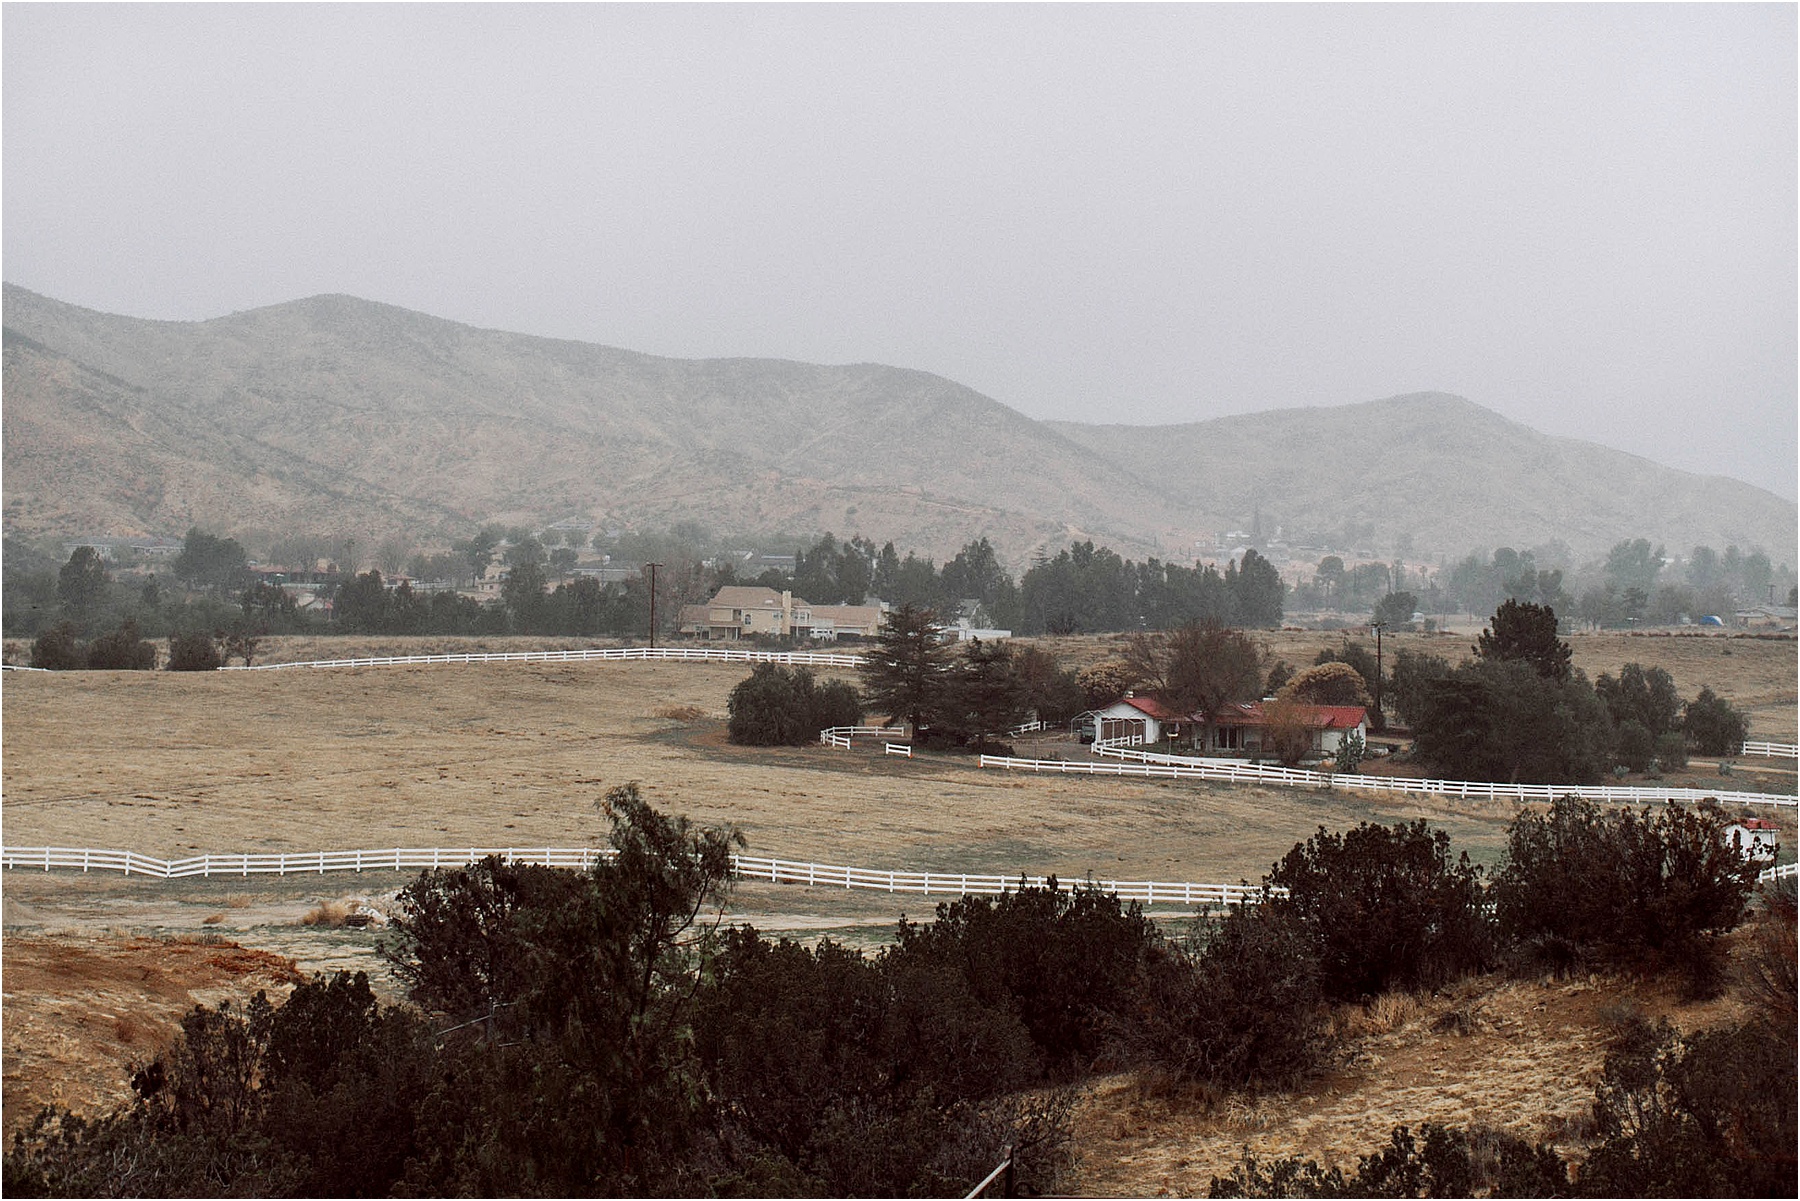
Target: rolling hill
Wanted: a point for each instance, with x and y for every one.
(342, 416)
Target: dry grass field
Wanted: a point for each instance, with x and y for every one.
(519, 755)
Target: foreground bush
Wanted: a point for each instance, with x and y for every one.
(1068, 962)
(1443, 1162)
(1385, 908)
(1580, 886)
(1708, 1115)
(1244, 1010)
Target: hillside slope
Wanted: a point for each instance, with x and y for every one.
(475, 424)
(1448, 472)
(342, 416)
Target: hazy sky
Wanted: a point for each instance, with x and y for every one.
(1583, 217)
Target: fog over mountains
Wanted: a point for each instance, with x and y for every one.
(341, 416)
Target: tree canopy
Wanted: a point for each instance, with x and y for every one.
(1526, 632)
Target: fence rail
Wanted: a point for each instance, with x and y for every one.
(676, 654)
(1176, 767)
(744, 867)
(1773, 750)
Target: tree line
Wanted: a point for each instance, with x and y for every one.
(1634, 583)
(592, 1033)
(208, 587)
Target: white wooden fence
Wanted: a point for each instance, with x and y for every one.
(1177, 767)
(840, 736)
(1773, 750)
(677, 654)
(744, 867)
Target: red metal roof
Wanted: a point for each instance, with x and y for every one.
(1152, 707)
(1324, 717)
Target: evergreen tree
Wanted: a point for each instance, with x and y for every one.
(903, 674)
(81, 585)
(1526, 633)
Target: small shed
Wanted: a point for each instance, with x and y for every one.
(1757, 837)
(1143, 717)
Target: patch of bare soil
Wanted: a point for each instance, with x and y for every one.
(82, 1010)
(1519, 1056)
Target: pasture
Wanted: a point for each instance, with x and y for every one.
(174, 764)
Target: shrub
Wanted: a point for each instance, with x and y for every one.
(1245, 1011)
(1444, 1162)
(1105, 682)
(193, 652)
(840, 1075)
(1579, 885)
(121, 650)
(778, 706)
(1333, 683)
(1067, 961)
(1385, 908)
(1714, 726)
(310, 1099)
(57, 649)
(1350, 753)
(1711, 1115)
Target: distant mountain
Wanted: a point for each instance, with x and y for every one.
(340, 416)
(1443, 470)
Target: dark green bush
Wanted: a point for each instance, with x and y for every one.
(122, 650)
(779, 706)
(193, 652)
(1711, 1115)
(1624, 888)
(1672, 750)
(1385, 908)
(1067, 961)
(310, 1099)
(57, 649)
(1242, 1011)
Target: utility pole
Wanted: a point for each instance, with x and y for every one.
(653, 567)
(1379, 718)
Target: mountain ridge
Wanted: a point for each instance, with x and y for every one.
(357, 416)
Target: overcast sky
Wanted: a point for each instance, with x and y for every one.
(1583, 217)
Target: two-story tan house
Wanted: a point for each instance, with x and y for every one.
(739, 611)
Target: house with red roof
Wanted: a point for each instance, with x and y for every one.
(1238, 728)
(1244, 727)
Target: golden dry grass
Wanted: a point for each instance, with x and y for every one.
(1519, 1056)
(518, 754)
